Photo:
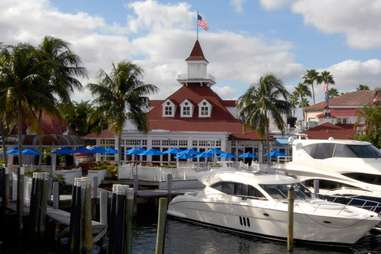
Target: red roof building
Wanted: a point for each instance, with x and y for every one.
(194, 116)
(327, 130)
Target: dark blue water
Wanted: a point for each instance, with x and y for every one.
(186, 238)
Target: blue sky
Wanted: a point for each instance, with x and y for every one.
(246, 39)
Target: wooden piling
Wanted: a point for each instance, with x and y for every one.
(56, 195)
(161, 226)
(169, 186)
(129, 217)
(80, 218)
(103, 204)
(6, 186)
(20, 199)
(38, 206)
(290, 235)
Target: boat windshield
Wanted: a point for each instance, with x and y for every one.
(280, 191)
(356, 151)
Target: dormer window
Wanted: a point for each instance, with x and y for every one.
(168, 109)
(204, 109)
(186, 109)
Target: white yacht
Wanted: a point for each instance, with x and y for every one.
(257, 204)
(342, 167)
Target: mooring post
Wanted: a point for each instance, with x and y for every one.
(103, 203)
(290, 235)
(169, 185)
(129, 217)
(20, 198)
(161, 226)
(94, 197)
(56, 195)
(80, 218)
(136, 181)
(38, 205)
(118, 219)
(6, 186)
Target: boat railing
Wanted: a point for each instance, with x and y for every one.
(367, 204)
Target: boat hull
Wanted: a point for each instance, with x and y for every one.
(271, 223)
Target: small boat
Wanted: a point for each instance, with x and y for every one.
(257, 204)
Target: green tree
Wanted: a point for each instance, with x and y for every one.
(371, 115)
(363, 87)
(333, 92)
(82, 118)
(122, 95)
(25, 89)
(294, 102)
(312, 77)
(268, 98)
(326, 78)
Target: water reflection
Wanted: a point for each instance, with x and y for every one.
(186, 238)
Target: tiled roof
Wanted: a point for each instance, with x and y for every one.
(229, 103)
(196, 53)
(326, 130)
(355, 99)
(343, 112)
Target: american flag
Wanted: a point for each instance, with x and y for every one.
(202, 22)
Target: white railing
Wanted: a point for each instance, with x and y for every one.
(370, 205)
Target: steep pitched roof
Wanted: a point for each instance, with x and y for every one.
(196, 53)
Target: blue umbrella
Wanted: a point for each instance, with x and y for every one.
(275, 154)
(247, 156)
(172, 151)
(31, 152)
(216, 150)
(110, 150)
(151, 152)
(63, 151)
(134, 151)
(184, 156)
(206, 154)
(98, 149)
(83, 150)
(13, 151)
(227, 155)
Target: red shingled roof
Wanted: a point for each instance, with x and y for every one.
(229, 103)
(326, 130)
(196, 53)
(354, 99)
(343, 112)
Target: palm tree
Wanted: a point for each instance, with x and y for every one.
(82, 117)
(268, 98)
(309, 78)
(122, 95)
(333, 92)
(294, 102)
(372, 118)
(327, 78)
(302, 91)
(61, 67)
(24, 89)
(363, 87)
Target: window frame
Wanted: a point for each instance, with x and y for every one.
(190, 106)
(168, 104)
(204, 103)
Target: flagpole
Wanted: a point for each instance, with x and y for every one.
(197, 23)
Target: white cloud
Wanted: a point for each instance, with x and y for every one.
(349, 74)
(226, 92)
(157, 36)
(237, 5)
(274, 4)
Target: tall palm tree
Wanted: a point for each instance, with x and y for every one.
(302, 91)
(372, 117)
(122, 95)
(23, 89)
(327, 78)
(268, 98)
(310, 78)
(61, 66)
(294, 101)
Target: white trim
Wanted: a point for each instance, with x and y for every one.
(172, 105)
(182, 105)
(208, 104)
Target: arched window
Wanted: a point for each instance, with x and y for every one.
(169, 109)
(204, 109)
(186, 109)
